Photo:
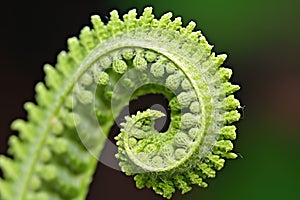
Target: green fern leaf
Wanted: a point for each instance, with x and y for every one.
(55, 154)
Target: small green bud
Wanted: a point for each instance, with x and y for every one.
(195, 107)
(179, 153)
(103, 78)
(186, 85)
(140, 63)
(86, 79)
(150, 56)
(173, 81)
(127, 53)
(157, 161)
(181, 140)
(119, 66)
(105, 61)
(157, 69)
(85, 97)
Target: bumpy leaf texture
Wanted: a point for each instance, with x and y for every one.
(56, 151)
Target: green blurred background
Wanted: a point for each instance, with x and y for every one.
(262, 41)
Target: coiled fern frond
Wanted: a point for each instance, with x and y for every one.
(55, 154)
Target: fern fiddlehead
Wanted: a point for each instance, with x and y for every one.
(56, 152)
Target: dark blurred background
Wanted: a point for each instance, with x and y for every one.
(261, 38)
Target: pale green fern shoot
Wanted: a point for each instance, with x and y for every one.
(55, 154)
